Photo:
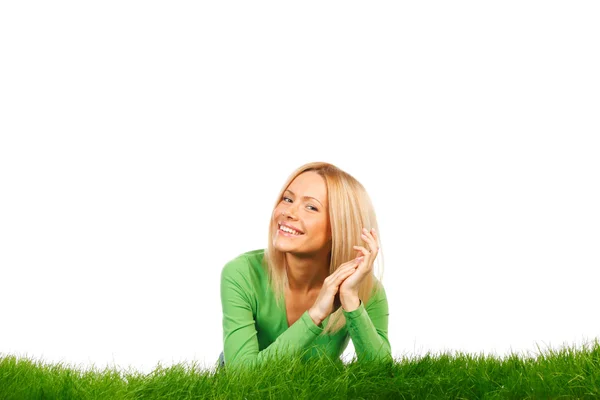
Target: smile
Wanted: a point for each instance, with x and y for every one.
(289, 231)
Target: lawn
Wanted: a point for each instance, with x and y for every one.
(568, 372)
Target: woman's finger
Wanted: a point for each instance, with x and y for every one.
(334, 280)
(369, 258)
(366, 234)
(349, 263)
(350, 266)
(370, 239)
(366, 253)
(354, 261)
(341, 277)
(374, 235)
(376, 240)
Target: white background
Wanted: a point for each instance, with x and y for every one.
(142, 145)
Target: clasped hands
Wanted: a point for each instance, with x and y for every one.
(341, 287)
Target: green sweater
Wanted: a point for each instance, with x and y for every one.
(255, 327)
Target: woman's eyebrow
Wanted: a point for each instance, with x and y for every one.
(305, 197)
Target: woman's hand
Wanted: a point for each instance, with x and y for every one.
(349, 288)
(328, 300)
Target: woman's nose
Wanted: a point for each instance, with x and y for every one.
(289, 212)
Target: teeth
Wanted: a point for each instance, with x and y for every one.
(288, 230)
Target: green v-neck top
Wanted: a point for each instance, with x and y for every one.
(255, 327)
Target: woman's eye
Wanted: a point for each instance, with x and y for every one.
(287, 199)
(313, 208)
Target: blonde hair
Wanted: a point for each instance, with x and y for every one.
(350, 209)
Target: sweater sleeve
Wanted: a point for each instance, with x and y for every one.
(238, 301)
(368, 328)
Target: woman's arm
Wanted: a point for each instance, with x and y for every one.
(239, 300)
(368, 325)
(368, 328)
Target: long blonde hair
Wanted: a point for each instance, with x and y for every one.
(350, 209)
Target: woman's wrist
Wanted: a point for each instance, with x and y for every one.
(315, 317)
(350, 302)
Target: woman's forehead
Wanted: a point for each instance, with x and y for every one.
(309, 184)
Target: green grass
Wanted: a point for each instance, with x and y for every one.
(568, 372)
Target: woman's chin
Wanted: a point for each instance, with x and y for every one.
(281, 244)
(283, 247)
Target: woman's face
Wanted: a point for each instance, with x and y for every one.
(301, 219)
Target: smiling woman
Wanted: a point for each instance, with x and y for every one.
(313, 288)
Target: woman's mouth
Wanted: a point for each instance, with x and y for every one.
(287, 231)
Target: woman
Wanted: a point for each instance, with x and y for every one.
(313, 288)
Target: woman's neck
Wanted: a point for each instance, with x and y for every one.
(306, 274)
